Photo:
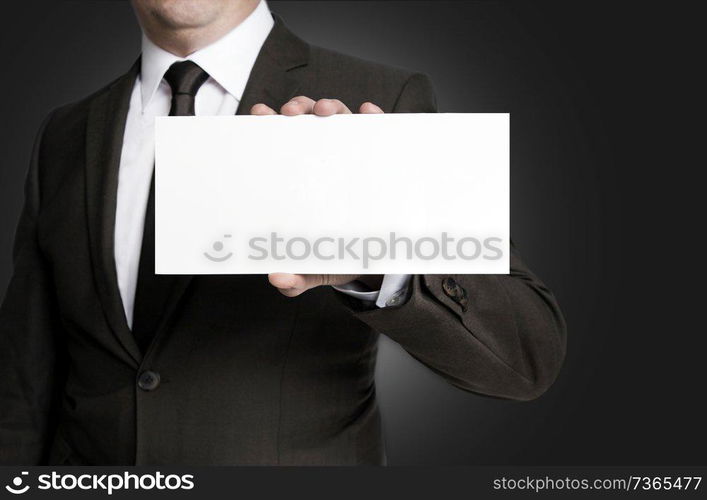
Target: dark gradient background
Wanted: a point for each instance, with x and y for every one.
(605, 118)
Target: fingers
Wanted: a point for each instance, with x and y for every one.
(323, 107)
(368, 108)
(298, 106)
(303, 105)
(329, 107)
(292, 285)
(262, 110)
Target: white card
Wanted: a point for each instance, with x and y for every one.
(348, 194)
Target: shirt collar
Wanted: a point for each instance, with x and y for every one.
(228, 61)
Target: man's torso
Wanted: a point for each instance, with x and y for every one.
(246, 375)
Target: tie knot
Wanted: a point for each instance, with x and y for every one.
(185, 78)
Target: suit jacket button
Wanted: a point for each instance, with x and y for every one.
(148, 380)
(451, 288)
(455, 291)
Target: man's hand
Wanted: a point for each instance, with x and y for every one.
(305, 106)
(292, 285)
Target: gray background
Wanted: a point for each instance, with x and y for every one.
(603, 209)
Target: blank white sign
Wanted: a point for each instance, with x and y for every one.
(349, 194)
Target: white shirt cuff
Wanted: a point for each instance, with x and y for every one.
(393, 290)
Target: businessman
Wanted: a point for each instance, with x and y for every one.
(103, 362)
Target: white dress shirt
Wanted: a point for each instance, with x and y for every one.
(228, 62)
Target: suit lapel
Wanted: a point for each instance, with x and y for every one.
(271, 83)
(104, 139)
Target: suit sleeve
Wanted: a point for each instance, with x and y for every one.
(28, 347)
(496, 335)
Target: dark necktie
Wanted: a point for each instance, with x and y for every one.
(153, 291)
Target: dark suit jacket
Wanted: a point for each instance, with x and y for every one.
(246, 375)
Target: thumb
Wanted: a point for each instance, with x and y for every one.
(292, 285)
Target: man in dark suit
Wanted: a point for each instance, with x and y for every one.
(102, 362)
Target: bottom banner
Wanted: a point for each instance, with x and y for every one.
(350, 482)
